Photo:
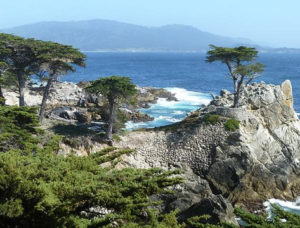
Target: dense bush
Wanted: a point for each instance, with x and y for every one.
(18, 128)
(232, 125)
(41, 189)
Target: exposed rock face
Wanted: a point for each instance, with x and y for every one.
(150, 95)
(256, 162)
(61, 93)
(215, 205)
(65, 96)
(136, 116)
(70, 113)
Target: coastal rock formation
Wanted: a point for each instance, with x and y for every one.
(150, 95)
(70, 113)
(61, 94)
(70, 102)
(258, 161)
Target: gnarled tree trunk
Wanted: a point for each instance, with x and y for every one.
(45, 98)
(110, 120)
(2, 99)
(21, 82)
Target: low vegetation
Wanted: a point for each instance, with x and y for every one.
(211, 119)
(232, 125)
(41, 189)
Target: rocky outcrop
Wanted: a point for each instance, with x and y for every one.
(79, 115)
(71, 103)
(61, 94)
(135, 116)
(258, 161)
(215, 205)
(150, 95)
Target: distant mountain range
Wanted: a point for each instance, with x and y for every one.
(106, 35)
(97, 35)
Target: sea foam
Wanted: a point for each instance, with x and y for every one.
(167, 112)
(285, 205)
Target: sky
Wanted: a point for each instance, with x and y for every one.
(274, 23)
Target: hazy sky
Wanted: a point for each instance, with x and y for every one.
(268, 22)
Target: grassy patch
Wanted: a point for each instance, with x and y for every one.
(232, 125)
(211, 119)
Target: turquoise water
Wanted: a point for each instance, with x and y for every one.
(168, 112)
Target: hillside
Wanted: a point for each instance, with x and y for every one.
(96, 35)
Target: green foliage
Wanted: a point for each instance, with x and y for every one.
(211, 119)
(19, 56)
(70, 130)
(24, 57)
(232, 125)
(279, 219)
(2, 101)
(55, 60)
(114, 88)
(49, 190)
(18, 129)
(226, 54)
(41, 189)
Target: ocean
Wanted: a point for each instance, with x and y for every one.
(185, 74)
(190, 78)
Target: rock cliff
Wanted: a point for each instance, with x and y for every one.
(258, 161)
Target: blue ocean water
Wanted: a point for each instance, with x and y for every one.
(186, 74)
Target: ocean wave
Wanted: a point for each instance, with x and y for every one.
(167, 118)
(179, 112)
(192, 97)
(166, 112)
(285, 205)
(130, 125)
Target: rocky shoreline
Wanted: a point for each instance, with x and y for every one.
(70, 102)
(223, 166)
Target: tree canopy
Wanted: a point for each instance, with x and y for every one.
(18, 53)
(116, 90)
(240, 63)
(53, 61)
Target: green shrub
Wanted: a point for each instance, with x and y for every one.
(42, 189)
(2, 101)
(211, 119)
(232, 125)
(18, 128)
(71, 130)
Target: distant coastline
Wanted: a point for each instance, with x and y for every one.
(145, 50)
(140, 50)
